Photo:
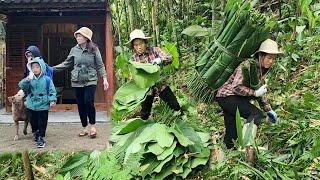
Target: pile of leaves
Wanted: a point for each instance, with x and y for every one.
(163, 151)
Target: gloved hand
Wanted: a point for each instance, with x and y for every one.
(261, 91)
(52, 103)
(272, 116)
(157, 61)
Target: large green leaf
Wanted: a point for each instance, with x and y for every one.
(205, 137)
(159, 167)
(121, 63)
(147, 67)
(196, 30)
(130, 93)
(155, 148)
(172, 49)
(183, 140)
(191, 134)
(144, 79)
(162, 135)
(132, 125)
(149, 167)
(167, 151)
(75, 164)
(198, 161)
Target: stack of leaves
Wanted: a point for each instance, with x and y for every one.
(241, 35)
(250, 74)
(164, 151)
(129, 96)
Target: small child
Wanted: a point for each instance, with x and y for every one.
(33, 52)
(41, 96)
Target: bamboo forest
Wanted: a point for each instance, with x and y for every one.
(210, 89)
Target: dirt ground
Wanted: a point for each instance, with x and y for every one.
(59, 136)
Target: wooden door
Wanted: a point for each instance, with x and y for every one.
(19, 37)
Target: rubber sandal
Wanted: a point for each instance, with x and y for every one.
(93, 132)
(83, 133)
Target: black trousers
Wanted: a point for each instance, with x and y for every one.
(247, 110)
(85, 101)
(166, 95)
(38, 121)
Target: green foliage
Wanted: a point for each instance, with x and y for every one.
(145, 75)
(196, 31)
(161, 152)
(75, 164)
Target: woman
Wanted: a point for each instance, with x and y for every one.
(152, 55)
(86, 60)
(233, 94)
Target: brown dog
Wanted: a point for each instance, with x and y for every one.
(19, 112)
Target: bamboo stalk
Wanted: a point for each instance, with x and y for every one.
(27, 166)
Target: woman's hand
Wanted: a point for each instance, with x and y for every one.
(105, 83)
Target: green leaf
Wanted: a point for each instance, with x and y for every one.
(186, 170)
(151, 165)
(145, 75)
(239, 127)
(196, 31)
(75, 164)
(129, 93)
(59, 177)
(162, 135)
(172, 49)
(205, 137)
(198, 161)
(162, 163)
(191, 134)
(248, 135)
(167, 151)
(155, 149)
(131, 126)
(183, 140)
(315, 151)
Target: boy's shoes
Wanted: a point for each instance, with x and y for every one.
(41, 143)
(35, 136)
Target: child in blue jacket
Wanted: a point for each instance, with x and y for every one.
(41, 96)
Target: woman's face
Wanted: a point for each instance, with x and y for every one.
(268, 60)
(139, 45)
(81, 39)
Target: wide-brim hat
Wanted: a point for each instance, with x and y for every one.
(270, 47)
(84, 31)
(137, 34)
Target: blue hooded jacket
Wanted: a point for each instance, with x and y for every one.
(40, 95)
(36, 53)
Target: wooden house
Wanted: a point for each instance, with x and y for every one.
(50, 24)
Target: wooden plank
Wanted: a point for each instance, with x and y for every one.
(109, 60)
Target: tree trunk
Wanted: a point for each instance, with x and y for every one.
(126, 16)
(155, 26)
(131, 15)
(118, 24)
(172, 18)
(27, 166)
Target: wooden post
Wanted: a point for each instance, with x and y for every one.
(109, 59)
(27, 166)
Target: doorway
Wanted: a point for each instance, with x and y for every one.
(57, 41)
